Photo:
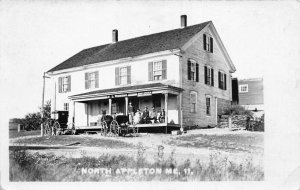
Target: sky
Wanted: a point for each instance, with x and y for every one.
(38, 35)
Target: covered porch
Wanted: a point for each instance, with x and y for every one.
(88, 107)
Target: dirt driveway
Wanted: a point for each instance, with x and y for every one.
(197, 144)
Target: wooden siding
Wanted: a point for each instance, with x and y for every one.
(216, 61)
(254, 96)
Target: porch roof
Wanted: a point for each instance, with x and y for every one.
(126, 90)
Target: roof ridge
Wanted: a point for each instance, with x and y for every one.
(163, 32)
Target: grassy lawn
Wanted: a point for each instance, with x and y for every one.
(15, 134)
(80, 140)
(36, 167)
(226, 142)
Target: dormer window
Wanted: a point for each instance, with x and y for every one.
(208, 42)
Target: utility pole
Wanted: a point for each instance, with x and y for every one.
(43, 100)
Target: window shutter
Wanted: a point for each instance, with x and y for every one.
(59, 84)
(204, 41)
(211, 45)
(205, 74)
(219, 78)
(128, 74)
(189, 70)
(164, 69)
(225, 85)
(197, 72)
(86, 81)
(212, 77)
(117, 78)
(150, 71)
(97, 79)
(69, 83)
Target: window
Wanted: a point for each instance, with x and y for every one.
(157, 70)
(193, 102)
(222, 80)
(209, 75)
(208, 42)
(243, 88)
(208, 107)
(64, 84)
(193, 70)
(92, 80)
(123, 75)
(66, 106)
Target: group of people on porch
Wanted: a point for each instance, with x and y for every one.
(140, 117)
(145, 117)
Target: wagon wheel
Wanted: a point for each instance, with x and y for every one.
(73, 130)
(103, 128)
(47, 130)
(56, 128)
(114, 128)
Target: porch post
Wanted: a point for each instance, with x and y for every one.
(109, 106)
(73, 112)
(87, 113)
(216, 110)
(126, 105)
(166, 111)
(180, 110)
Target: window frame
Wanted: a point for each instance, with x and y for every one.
(124, 76)
(208, 76)
(208, 44)
(208, 107)
(193, 70)
(222, 80)
(242, 86)
(193, 105)
(159, 70)
(89, 80)
(66, 106)
(65, 84)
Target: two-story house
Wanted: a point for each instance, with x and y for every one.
(186, 72)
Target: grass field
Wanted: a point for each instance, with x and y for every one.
(16, 134)
(212, 155)
(36, 167)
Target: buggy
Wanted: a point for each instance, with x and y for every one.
(57, 126)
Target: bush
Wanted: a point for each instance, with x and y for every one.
(259, 125)
(236, 110)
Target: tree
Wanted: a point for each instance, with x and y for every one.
(32, 121)
(46, 111)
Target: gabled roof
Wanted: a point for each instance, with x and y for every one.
(172, 39)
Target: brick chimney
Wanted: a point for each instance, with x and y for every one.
(183, 20)
(115, 36)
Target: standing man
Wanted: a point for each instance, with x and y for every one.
(130, 113)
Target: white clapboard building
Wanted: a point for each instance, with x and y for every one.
(186, 72)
